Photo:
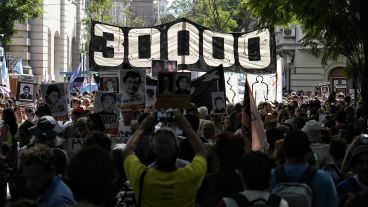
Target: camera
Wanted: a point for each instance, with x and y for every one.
(165, 116)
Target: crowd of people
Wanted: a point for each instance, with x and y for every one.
(194, 158)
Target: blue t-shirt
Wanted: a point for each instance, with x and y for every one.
(56, 195)
(324, 191)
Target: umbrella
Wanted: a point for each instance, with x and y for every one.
(4, 89)
(89, 88)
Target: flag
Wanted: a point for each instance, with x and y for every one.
(4, 72)
(75, 73)
(19, 67)
(253, 132)
(203, 86)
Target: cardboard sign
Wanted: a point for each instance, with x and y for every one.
(55, 95)
(107, 105)
(26, 78)
(174, 90)
(133, 88)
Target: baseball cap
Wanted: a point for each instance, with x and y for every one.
(46, 128)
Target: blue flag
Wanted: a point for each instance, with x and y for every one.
(4, 71)
(19, 67)
(75, 73)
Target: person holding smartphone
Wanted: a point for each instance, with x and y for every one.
(165, 183)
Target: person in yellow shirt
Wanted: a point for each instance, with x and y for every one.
(165, 184)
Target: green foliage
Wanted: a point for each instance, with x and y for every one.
(96, 10)
(332, 25)
(12, 11)
(99, 10)
(219, 15)
(132, 19)
(331, 28)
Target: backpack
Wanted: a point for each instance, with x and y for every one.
(298, 193)
(242, 201)
(334, 172)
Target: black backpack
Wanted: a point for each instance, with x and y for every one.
(242, 201)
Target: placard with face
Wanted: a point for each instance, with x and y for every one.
(107, 105)
(218, 103)
(55, 95)
(133, 88)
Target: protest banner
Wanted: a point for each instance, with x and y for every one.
(194, 47)
(107, 105)
(133, 88)
(55, 95)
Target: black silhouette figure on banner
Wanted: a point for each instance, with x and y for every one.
(260, 89)
(26, 93)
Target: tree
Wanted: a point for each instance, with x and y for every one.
(331, 28)
(131, 17)
(96, 10)
(219, 15)
(12, 11)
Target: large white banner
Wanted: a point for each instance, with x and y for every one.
(193, 46)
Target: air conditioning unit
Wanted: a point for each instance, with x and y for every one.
(1, 51)
(289, 32)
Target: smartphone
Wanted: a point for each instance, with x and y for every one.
(165, 116)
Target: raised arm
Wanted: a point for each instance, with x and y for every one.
(190, 134)
(145, 126)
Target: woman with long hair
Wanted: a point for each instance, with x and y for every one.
(7, 137)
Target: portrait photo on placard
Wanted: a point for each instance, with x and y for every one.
(162, 66)
(109, 84)
(165, 82)
(133, 87)
(55, 95)
(325, 90)
(170, 66)
(107, 105)
(182, 83)
(150, 95)
(157, 66)
(25, 92)
(218, 102)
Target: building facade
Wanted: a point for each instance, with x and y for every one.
(51, 43)
(302, 70)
